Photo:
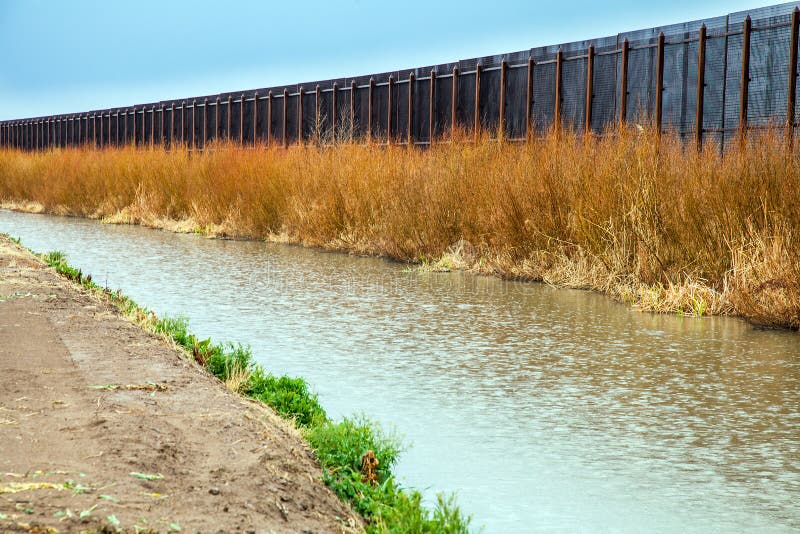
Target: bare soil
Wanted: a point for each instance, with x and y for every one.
(106, 427)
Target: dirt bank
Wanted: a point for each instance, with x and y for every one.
(104, 425)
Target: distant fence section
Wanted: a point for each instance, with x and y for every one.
(707, 79)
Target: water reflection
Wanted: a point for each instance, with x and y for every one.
(546, 409)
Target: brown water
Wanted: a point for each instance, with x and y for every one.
(545, 409)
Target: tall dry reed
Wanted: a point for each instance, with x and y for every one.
(654, 223)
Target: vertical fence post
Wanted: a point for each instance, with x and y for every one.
(125, 132)
(229, 127)
(134, 125)
(217, 107)
(529, 100)
(172, 125)
(477, 110)
(255, 118)
(193, 138)
(182, 137)
(623, 84)
(317, 111)
(334, 103)
(410, 136)
(701, 86)
(432, 108)
(152, 126)
(352, 109)
(36, 134)
(241, 120)
(390, 111)
(285, 139)
(501, 126)
(454, 104)
(660, 84)
(792, 92)
(557, 111)
(300, 115)
(745, 84)
(162, 131)
(205, 122)
(587, 126)
(269, 117)
(102, 131)
(370, 97)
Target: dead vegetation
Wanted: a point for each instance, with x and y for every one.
(656, 224)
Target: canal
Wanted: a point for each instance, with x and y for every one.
(544, 409)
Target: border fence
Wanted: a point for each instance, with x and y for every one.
(707, 79)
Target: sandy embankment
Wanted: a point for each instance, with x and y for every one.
(94, 411)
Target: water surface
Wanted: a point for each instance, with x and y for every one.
(545, 409)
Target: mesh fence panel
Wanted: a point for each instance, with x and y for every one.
(276, 121)
(290, 107)
(516, 93)
(420, 117)
(641, 81)
(309, 117)
(680, 85)
(490, 100)
(325, 113)
(544, 96)
(769, 71)
(401, 128)
(604, 86)
(465, 110)
(247, 124)
(380, 111)
(443, 109)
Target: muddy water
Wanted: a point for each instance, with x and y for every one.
(546, 410)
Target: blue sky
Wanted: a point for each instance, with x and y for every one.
(62, 56)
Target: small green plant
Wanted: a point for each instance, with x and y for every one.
(339, 446)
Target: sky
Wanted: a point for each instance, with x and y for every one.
(62, 56)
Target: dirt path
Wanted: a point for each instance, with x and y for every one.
(94, 411)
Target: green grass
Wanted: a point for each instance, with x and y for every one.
(339, 446)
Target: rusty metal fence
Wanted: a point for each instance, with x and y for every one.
(709, 79)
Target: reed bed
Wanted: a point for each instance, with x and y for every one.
(650, 221)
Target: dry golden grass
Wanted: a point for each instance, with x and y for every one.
(656, 224)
